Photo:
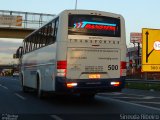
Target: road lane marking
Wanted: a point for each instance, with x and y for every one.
(149, 97)
(23, 98)
(135, 104)
(4, 87)
(117, 94)
(134, 95)
(146, 102)
(127, 98)
(14, 79)
(55, 117)
(113, 93)
(140, 95)
(146, 97)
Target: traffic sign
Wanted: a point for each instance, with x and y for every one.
(11, 20)
(150, 50)
(135, 37)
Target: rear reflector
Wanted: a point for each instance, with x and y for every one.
(71, 85)
(61, 68)
(115, 84)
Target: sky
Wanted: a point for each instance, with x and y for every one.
(138, 14)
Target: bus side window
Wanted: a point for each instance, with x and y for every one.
(39, 38)
(26, 46)
(30, 43)
(49, 41)
(54, 29)
(36, 40)
(53, 35)
(42, 38)
(49, 34)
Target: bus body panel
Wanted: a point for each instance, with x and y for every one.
(85, 63)
(92, 61)
(41, 62)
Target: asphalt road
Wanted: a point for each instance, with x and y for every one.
(16, 105)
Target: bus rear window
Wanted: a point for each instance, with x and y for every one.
(93, 25)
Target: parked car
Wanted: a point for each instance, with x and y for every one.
(15, 74)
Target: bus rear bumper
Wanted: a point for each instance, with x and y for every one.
(88, 85)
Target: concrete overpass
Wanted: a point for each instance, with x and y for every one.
(16, 24)
(14, 32)
(7, 66)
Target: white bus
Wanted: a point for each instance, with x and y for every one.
(78, 52)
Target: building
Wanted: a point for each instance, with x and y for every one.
(133, 57)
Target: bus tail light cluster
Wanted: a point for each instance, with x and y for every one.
(123, 68)
(71, 85)
(61, 68)
(115, 84)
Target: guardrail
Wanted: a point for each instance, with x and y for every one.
(143, 81)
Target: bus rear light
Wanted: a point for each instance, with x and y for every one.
(61, 64)
(123, 64)
(71, 85)
(61, 68)
(123, 68)
(115, 84)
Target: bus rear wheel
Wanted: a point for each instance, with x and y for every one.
(39, 92)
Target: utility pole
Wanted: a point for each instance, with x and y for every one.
(76, 5)
(138, 54)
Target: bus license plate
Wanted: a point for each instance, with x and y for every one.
(94, 76)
